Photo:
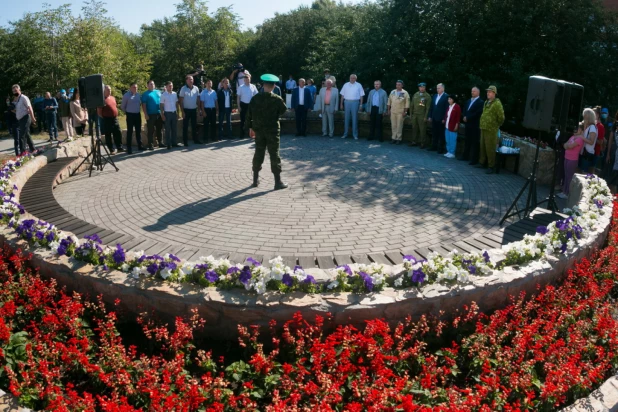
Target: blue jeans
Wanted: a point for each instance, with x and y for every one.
(451, 141)
(52, 128)
(227, 113)
(351, 112)
(171, 128)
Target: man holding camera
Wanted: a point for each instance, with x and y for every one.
(238, 74)
(197, 76)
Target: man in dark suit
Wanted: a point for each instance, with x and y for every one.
(439, 106)
(301, 103)
(472, 111)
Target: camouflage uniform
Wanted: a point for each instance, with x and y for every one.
(491, 120)
(419, 109)
(263, 117)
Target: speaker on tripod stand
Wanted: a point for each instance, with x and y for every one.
(91, 98)
(552, 106)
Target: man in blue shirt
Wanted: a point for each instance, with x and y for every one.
(151, 99)
(290, 84)
(208, 106)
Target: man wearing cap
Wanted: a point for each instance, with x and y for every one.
(437, 110)
(377, 106)
(398, 105)
(263, 123)
(419, 109)
(491, 120)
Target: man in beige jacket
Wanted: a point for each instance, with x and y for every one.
(329, 98)
(398, 105)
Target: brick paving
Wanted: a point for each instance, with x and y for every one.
(345, 197)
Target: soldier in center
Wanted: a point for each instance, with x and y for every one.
(419, 109)
(263, 123)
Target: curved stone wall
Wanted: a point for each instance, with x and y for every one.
(224, 309)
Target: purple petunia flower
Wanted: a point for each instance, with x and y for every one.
(542, 229)
(569, 235)
(50, 236)
(105, 267)
(119, 255)
(367, 281)
(563, 248)
(211, 276)
(233, 270)
(152, 268)
(418, 276)
(578, 231)
(287, 280)
(94, 238)
(245, 275)
(599, 203)
(309, 279)
(562, 225)
(410, 258)
(486, 256)
(174, 258)
(298, 267)
(253, 261)
(472, 269)
(346, 269)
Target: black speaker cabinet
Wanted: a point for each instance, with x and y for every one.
(91, 91)
(552, 104)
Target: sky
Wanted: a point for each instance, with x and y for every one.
(131, 14)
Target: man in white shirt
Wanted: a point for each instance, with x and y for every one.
(169, 113)
(244, 95)
(188, 97)
(25, 117)
(352, 94)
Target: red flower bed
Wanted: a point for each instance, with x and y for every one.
(64, 353)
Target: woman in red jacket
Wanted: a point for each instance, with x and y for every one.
(451, 120)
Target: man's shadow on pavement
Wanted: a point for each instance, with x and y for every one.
(200, 209)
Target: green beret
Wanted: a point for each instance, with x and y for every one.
(271, 78)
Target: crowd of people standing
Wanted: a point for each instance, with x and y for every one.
(162, 110)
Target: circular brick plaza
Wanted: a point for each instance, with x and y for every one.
(345, 197)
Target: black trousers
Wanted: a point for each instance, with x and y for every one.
(154, 124)
(472, 145)
(22, 137)
(301, 119)
(375, 123)
(438, 138)
(190, 117)
(111, 127)
(210, 124)
(134, 122)
(243, 115)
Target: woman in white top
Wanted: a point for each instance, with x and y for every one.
(590, 138)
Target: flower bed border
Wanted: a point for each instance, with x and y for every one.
(224, 309)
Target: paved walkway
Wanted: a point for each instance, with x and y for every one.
(345, 196)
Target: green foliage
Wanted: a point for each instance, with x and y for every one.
(460, 43)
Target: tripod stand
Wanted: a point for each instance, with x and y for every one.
(531, 200)
(97, 159)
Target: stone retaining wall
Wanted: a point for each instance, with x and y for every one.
(224, 309)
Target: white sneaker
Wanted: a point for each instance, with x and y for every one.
(450, 156)
(562, 196)
(356, 138)
(344, 137)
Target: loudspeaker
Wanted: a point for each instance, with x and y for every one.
(91, 91)
(552, 104)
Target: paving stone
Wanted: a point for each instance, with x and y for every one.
(345, 198)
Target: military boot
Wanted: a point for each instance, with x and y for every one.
(256, 179)
(278, 183)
